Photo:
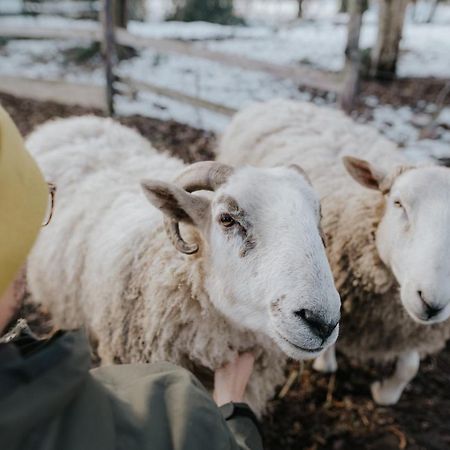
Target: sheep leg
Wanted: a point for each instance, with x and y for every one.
(388, 391)
(326, 361)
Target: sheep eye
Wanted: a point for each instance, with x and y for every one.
(226, 220)
(398, 204)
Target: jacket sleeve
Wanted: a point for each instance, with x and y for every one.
(175, 411)
(244, 427)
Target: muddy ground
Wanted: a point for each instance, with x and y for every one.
(318, 411)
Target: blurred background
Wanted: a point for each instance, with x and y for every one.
(197, 61)
(177, 70)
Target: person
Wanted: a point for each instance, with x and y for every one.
(49, 396)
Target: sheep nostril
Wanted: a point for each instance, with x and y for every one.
(316, 323)
(430, 309)
(433, 311)
(301, 313)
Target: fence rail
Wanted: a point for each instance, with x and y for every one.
(59, 91)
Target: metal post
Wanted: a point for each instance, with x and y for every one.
(109, 53)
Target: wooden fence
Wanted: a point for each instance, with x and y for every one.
(110, 37)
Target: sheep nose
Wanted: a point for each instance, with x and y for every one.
(316, 323)
(430, 309)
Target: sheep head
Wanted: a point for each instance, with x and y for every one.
(266, 267)
(413, 236)
(178, 206)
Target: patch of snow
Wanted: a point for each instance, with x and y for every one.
(425, 51)
(425, 48)
(158, 10)
(276, 12)
(319, 44)
(427, 150)
(44, 59)
(10, 7)
(268, 11)
(395, 123)
(444, 117)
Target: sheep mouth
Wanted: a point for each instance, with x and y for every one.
(423, 319)
(303, 349)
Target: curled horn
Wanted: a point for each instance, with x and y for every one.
(201, 176)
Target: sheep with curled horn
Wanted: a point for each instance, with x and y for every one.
(387, 237)
(214, 275)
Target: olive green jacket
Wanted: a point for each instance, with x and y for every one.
(49, 399)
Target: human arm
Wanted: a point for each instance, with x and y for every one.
(230, 383)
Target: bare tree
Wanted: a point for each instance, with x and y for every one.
(120, 13)
(109, 51)
(300, 9)
(352, 55)
(343, 8)
(433, 8)
(390, 25)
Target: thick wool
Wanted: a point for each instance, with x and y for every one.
(105, 261)
(374, 323)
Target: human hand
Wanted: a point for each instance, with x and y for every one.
(230, 381)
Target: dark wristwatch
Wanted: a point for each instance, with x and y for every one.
(232, 410)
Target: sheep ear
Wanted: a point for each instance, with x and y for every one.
(364, 173)
(176, 203)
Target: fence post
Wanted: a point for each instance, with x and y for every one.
(352, 55)
(109, 53)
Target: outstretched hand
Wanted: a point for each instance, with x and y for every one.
(230, 381)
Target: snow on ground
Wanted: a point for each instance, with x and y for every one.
(318, 40)
(425, 47)
(403, 125)
(10, 7)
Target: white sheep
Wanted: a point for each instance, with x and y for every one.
(387, 245)
(236, 283)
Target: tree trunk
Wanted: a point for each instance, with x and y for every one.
(390, 25)
(432, 10)
(356, 9)
(109, 52)
(300, 9)
(120, 13)
(343, 8)
(352, 55)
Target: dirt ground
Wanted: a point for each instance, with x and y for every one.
(318, 411)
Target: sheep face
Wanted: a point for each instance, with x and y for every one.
(266, 265)
(413, 236)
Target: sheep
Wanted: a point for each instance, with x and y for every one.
(388, 237)
(214, 275)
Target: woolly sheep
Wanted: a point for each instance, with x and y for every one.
(236, 283)
(387, 245)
